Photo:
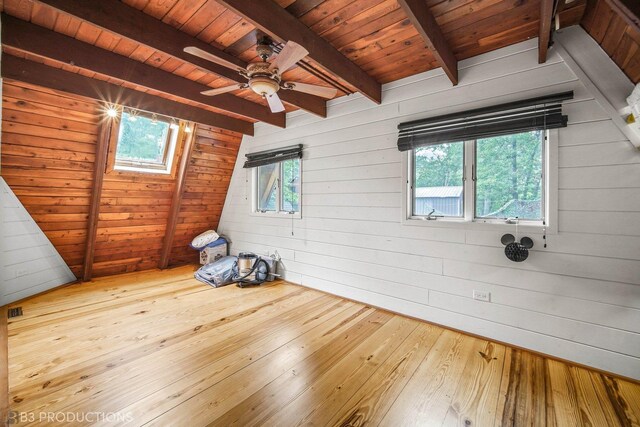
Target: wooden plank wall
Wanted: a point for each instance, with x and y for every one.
(620, 40)
(48, 151)
(208, 178)
(577, 299)
(132, 222)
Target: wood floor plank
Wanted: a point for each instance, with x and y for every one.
(427, 395)
(504, 388)
(474, 402)
(626, 393)
(264, 403)
(526, 395)
(217, 399)
(608, 406)
(164, 349)
(563, 392)
(183, 387)
(176, 303)
(369, 404)
(113, 345)
(324, 396)
(87, 367)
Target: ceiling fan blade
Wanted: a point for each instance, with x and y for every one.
(195, 51)
(219, 90)
(288, 56)
(323, 91)
(275, 105)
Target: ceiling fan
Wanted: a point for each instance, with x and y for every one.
(265, 78)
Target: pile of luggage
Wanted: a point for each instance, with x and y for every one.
(247, 269)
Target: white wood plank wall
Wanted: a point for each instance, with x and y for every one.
(578, 299)
(29, 264)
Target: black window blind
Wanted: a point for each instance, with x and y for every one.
(514, 117)
(268, 157)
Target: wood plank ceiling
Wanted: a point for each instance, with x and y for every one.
(614, 24)
(376, 35)
(381, 37)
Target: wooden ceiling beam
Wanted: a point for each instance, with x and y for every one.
(40, 41)
(544, 37)
(102, 148)
(176, 201)
(42, 75)
(423, 20)
(128, 22)
(283, 26)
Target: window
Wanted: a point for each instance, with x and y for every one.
(438, 180)
(508, 179)
(277, 187)
(509, 176)
(145, 142)
(268, 187)
(503, 170)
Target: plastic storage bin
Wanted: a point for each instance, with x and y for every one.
(214, 251)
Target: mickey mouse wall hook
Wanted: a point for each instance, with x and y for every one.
(516, 252)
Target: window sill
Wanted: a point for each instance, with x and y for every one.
(283, 215)
(144, 170)
(478, 224)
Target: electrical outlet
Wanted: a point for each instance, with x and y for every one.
(21, 272)
(482, 296)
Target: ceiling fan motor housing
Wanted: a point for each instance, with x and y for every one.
(262, 80)
(264, 49)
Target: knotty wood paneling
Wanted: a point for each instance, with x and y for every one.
(48, 153)
(620, 40)
(48, 150)
(206, 185)
(577, 298)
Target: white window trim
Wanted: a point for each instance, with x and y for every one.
(278, 213)
(550, 225)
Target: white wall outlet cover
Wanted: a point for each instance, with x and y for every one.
(482, 296)
(21, 272)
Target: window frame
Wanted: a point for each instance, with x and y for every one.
(278, 213)
(469, 220)
(474, 183)
(411, 190)
(173, 147)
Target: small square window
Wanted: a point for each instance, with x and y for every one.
(277, 188)
(146, 142)
(438, 187)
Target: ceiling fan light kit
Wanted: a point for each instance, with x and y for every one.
(265, 78)
(262, 80)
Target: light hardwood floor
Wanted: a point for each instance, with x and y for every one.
(160, 348)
